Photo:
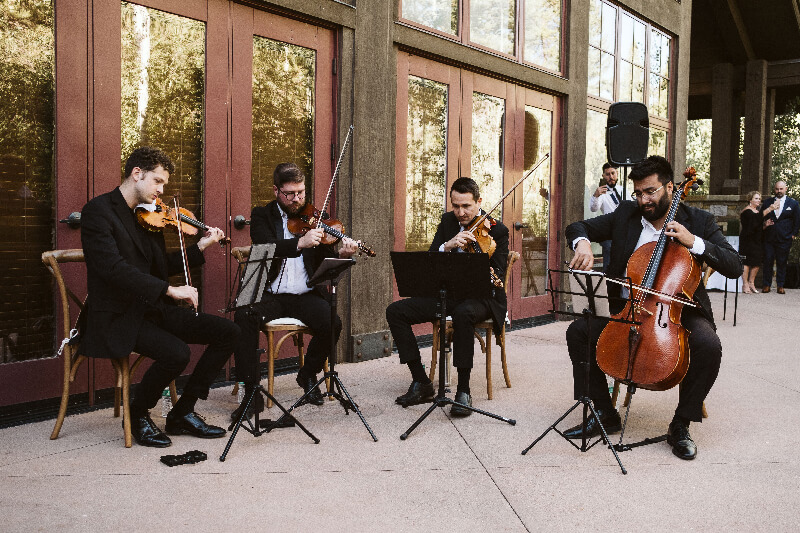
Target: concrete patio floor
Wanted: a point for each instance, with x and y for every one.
(450, 475)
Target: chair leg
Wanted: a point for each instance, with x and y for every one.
(270, 366)
(489, 362)
(503, 356)
(126, 400)
(62, 410)
(118, 382)
(705, 413)
(173, 392)
(615, 394)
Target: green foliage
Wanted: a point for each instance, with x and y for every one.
(698, 150)
(786, 149)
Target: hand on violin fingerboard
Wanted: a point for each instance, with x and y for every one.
(583, 258)
(679, 232)
(212, 236)
(348, 248)
(311, 238)
(461, 239)
(184, 293)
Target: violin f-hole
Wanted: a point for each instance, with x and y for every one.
(661, 322)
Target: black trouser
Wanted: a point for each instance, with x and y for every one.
(310, 308)
(164, 338)
(402, 314)
(704, 361)
(777, 253)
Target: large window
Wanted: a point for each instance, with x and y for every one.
(527, 30)
(629, 59)
(26, 178)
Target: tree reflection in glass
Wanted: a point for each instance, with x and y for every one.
(283, 113)
(536, 201)
(440, 15)
(543, 33)
(27, 321)
(426, 161)
(488, 121)
(492, 23)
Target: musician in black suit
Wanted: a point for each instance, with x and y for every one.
(781, 225)
(287, 294)
(132, 307)
(451, 237)
(632, 225)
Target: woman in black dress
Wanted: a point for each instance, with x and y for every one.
(750, 241)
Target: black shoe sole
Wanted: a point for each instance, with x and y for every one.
(610, 430)
(459, 411)
(182, 431)
(417, 401)
(167, 445)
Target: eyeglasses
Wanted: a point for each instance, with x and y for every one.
(292, 195)
(650, 193)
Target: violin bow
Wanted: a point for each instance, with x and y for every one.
(335, 175)
(184, 259)
(500, 201)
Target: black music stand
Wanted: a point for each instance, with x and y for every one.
(591, 284)
(252, 280)
(331, 270)
(447, 275)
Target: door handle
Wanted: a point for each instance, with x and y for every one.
(519, 225)
(240, 222)
(73, 220)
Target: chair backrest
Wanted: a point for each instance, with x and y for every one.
(512, 258)
(52, 260)
(240, 253)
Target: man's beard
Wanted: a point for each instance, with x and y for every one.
(778, 195)
(660, 210)
(293, 209)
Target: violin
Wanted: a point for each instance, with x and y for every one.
(310, 217)
(654, 353)
(158, 215)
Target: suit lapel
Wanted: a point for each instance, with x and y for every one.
(634, 232)
(124, 213)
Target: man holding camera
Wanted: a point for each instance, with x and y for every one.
(606, 198)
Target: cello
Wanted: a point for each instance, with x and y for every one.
(653, 353)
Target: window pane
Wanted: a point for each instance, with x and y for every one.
(283, 114)
(163, 76)
(594, 72)
(488, 120)
(441, 15)
(595, 22)
(655, 104)
(426, 161)
(595, 157)
(665, 56)
(609, 28)
(664, 99)
(626, 37)
(543, 33)
(491, 24)
(639, 32)
(655, 51)
(535, 201)
(638, 85)
(625, 81)
(658, 143)
(607, 76)
(27, 321)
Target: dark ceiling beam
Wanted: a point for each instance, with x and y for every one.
(796, 10)
(733, 31)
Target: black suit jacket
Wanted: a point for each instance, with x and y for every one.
(784, 228)
(127, 271)
(449, 227)
(624, 226)
(266, 226)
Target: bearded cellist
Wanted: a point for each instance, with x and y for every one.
(632, 225)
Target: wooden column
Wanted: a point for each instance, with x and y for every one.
(755, 111)
(724, 128)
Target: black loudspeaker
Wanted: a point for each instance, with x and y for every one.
(627, 133)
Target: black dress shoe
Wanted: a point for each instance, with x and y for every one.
(682, 444)
(417, 393)
(147, 433)
(256, 406)
(310, 384)
(462, 398)
(193, 424)
(609, 417)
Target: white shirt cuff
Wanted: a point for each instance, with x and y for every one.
(441, 247)
(575, 242)
(698, 247)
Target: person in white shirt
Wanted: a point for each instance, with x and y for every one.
(781, 226)
(606, 198)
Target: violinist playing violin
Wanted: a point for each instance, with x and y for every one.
(287, 294)
(132, 307)
(632, 225)
(451, 236)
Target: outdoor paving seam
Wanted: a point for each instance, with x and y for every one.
(45, 455)
(781, 385)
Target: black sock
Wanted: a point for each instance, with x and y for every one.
(137, 411)
(682, 420)
(185, 404)
(418, 371)
(463, 379)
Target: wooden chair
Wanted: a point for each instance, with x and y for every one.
(122, 367)
(486, 345)
(295, 329)
(627, 401)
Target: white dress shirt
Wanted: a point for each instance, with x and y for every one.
(778, 211)
(293, 277)
(605, 202)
